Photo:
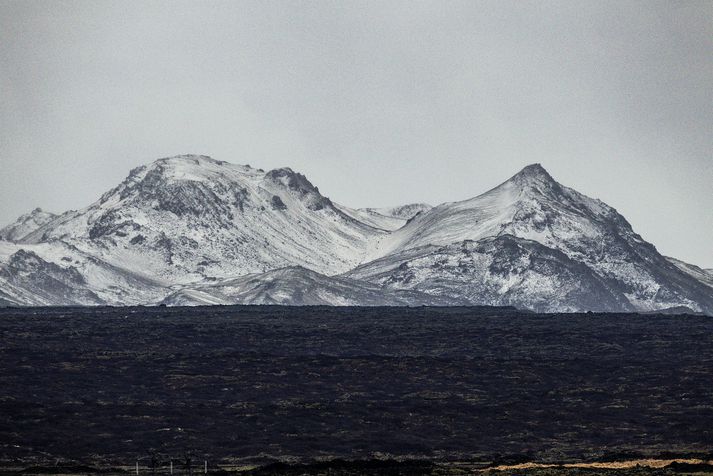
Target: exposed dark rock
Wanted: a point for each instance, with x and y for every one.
(277, 203)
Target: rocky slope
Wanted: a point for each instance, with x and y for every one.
(703, 275)
(532, 206)
(404, 212)
(501, 270)
(25, 225)
(57, 273)
(299, 286)
(191, 218)
(191, 230)
(388, 219)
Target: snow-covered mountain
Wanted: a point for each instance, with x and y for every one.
(190, 218)
(194, 230)
(532, 207)
(57, 273)
(501, 270)
(25, 225)
(703, 275)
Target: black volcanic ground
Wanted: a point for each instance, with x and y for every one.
(110, 384)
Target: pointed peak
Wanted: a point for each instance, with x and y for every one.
(533, 174)
(531, 179)
(534, 170)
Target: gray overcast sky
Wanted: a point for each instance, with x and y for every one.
(378, 103)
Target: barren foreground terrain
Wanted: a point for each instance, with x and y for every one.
(250, 386)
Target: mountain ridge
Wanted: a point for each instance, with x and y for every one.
(532, 205)
(193, 217)
(186, 228)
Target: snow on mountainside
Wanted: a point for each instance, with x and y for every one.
(502, 271)
(376, 220)
(56, 273)
(190, 218)
(530, 205)
(533, 206)
(191, 229)
(388, 219)
(299, 286)
(703, 275)
(404, 212)
(25, 225)
(27, 279)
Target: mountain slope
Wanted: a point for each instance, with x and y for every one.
(533, 206)
(191, 229)
(705, 276)
(26, 224)
(530, 205)
(189, 218)
(388, 219)
(373, 219)
(300, 286)
(27, 279)
(404, 212)
(56, 273)
(501, 270)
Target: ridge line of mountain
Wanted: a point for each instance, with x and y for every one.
(190, 228)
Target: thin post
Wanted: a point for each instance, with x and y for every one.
(205, 467)
(137, 468)
(171, 466)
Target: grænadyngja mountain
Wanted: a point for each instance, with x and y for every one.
(194, 230)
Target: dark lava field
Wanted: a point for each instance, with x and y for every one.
(260, 384)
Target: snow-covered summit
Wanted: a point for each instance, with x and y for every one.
(531, 205)
(189, 218)
(197, 184)
(535, 172)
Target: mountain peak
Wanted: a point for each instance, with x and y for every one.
(534, 178)
(195, 158)
(188, 162)
(533, 172)
(189, 168)
(227, 233)
(300, 184)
